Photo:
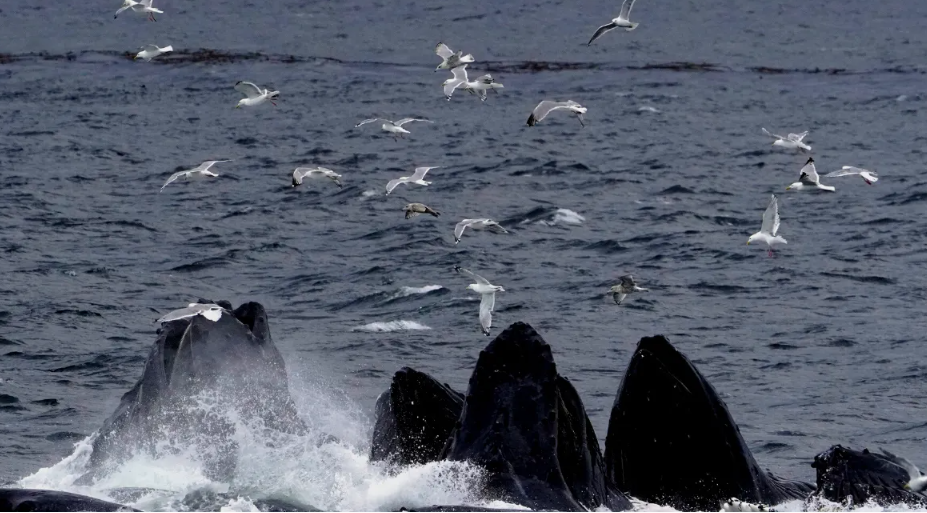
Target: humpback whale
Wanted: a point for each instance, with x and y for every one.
(854, 477)
(20, 499)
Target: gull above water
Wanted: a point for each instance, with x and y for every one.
(450, 59)
(621, 21)
(417, 178)
(793, 141)
(142, 6)
(208, 310)
(809, 179)
(201, 171)
(476, 224)
(626, 285)
(869, 177)
(414, 209)
(918, 482)
(770, 228)
(487, 292)
(547, 106)
(483, 84)
(254, 95)
(301, 173)
(393, 127)
(151, 51)
(458, 80)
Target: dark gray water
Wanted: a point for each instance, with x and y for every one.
(821, 344)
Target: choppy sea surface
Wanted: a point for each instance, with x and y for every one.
(821, 344)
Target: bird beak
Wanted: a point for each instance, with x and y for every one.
(748, 242)
(237, 106)
(788, 188)
(907, 487)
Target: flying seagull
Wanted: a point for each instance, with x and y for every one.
(918, 482)
(809, 179)
(869, 177)
(769, 229)
(483, 84)
(547, 106)
(208, 310)
(301, 173)
(151, 51)
(417, 178)
(625, 286)
(254, 95)
(414, 209)
(200, 171)
(621, 21)
(793, 141)
(393, 127)
(487, 292)
(476, 224)
(450, 59)
(142, 6)
(458, 80)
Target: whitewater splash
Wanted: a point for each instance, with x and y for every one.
(390, 326)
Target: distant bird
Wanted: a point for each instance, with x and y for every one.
(547, 106)
(487, 292)
(450, 59)
(483, 84)
(918, 482)
(151, 51)
(793, 141)
(621, 21)
(208, 310)
(869, 177)
(458, 80)
(254, 95)
(809, 179)
(393, 127)
(142, 6)
(769, 229)
(201, 171)
(301, 173)
(414, 209)
(476, 224)
(625, 286)
(417, 178)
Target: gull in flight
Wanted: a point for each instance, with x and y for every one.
(208, 310)
(254, 95)
(476, 224)
(142, 6)
(450, 59)
(621, 21)
(459, 80)
(393, 127)
(793, 141)
(315, 172)
(770, 227)
(547, 106)
(200, 171)
(868, 176)
(483, 84)
(809, 178)
(625, 286)
(918, 482)
(417, 178)
(487, 292)
(151, 51)
(414, 209)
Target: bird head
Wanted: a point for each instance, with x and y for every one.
(237, 105)
(471, 286)
(751, 239)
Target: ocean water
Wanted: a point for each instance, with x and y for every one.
(821, 344)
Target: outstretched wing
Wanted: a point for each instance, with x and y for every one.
(601, 30)
(626, 9)
(173, 179)
(443, 51)
(460, 73)
(403, 121)
(495, 227)
(798, 137)
(206, 165)
(248, 89)
(771, 217)
(420, 173)
(872, 176)
(479, 279)
(487, 302)
(394, 182)
(145, 3)
(773, 135)
(547, 106)
(151, 48)
(364, 122)
(460, 227)
(809, 174)
(627, 282)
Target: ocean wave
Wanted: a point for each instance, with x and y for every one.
(390, 326)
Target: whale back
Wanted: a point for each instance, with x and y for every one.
(847, 475)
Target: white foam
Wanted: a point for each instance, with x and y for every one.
(390, 326)
(647, 108)
(567, 216)
(411, 291)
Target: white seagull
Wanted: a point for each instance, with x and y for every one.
(809, 179)
(770, 227)
(793, 141)
(483, 84)
(208, 310)
(450, 59)
(621, 21)
(393, 127)
(918, 482)
(476, 224)
(142, 6)
(315, 172)
(547, 106)
(151, 51)
(487, 292)
(417, 178)
(254, 95)
(200, 171)
(625, 286)
(459, 80)
(869, 177)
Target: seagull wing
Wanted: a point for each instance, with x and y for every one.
(443, 51)
(208, 164)
(151, 48)
(872, 176)
(182, 313)
(771, 217)
(494, 226)
(479, 279)
(809, 175)
(403, 121)
(420, 173)
(601, 30)
(173, 179)
(627, 282)
(460, 73)
(547, 106)
(461, 226)
(364, 122)
(798, 137)
(773, 135)
(145, 3)
(248, 89)
(452, 84)
(487, 302)
(910, 468)
(393, 183)
(626, 9)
